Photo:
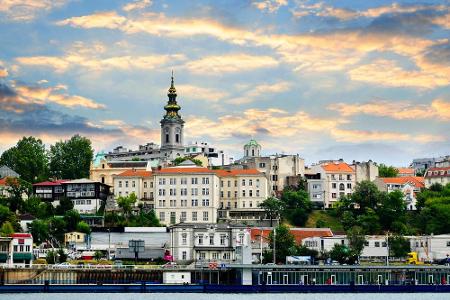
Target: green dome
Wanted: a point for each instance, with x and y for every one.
(252, 142)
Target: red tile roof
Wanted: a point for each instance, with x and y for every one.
(51, 183)
(225, 173)
(418, 182)
(135, 173)
(406, 171)
(179, 170)
(3, 181)
(445, 169)
(339, 167)
(21, 235)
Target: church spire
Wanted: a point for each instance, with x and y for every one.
(172, 106)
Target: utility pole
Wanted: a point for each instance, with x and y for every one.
(274, 244)
(109, 243)
(387, 246)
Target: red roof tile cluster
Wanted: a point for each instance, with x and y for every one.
(299, 233)
(3, 181)
(339, 167)
(438, 170)
(418, 182)
(226, 173)
(406, 171)
(179, 170)
(21, 235)
(51, 183)
(135, 173)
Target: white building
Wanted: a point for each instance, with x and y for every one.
(215, 156)
(409, 186)
(430, 247)
(207, 242)
(138, 182)
(439, 175)
(186, 193)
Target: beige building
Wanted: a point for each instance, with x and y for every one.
(138, 182)
(186, 193)
(241, 192)
(336, 179)
(103, 170)
(408, 185)
(365, 170)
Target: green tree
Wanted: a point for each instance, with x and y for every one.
(71, 159)
(7, 229)
(71, 217)
(98, 255)
(284, 243)
(370, 222)
(51, 257)
(16, 188)
(392, 209)
(342, 254)
(356, 239)
(65, 204)
(387, 171)
(83, 227)
(62, 256)
(45, 210)
(273, 208)
(39, 230)
(57, 228)
(31, 205)
(127, 204)
(5, 213)
(399, 246)
(28, 158)
(302, 250)
(366, 196)
(297, 206)
(179, 160)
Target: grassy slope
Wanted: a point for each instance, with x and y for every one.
(330, 221)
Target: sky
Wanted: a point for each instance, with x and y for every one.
(356, 80)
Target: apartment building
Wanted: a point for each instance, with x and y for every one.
(241, 192)
(86, 195)
(408, 185)
(439, 175)
(333, 180)
(139, 182)
(186, 193)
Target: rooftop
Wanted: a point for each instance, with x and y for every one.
(135, 173)
(337, 167)
(418, 182)
(50, 183)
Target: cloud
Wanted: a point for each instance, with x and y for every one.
(93, 57)
(27, 10)
(17, 98)
(3, 70)
(438, 109)
(200, 93)
(230, 63)
(137, 5)
(388, 73)
(107, 19)
(269, 5)
(250, 93)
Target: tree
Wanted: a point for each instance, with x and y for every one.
(39, 230)
(365, 195)
(7, 229)
(98, 255)
(284, 243)
(127, 204)
(341, 254)
(62, 256)
(5, 213)
(297, 206)
(273, 208)
(71, 217)
(387, 171)
(71, 159)
(179, 160)
(57, 228)
(28, 158)
(399, 246)
(31, 205)
(83, 227)
(45, 210)
(302, 250)
(65, 204)
(16, 188)
(356, 239)
(370, 222)
(51, 257)
(392, 209)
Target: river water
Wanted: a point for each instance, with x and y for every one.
(188, 296)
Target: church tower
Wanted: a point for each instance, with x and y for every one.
(252, 149)
(172, 127)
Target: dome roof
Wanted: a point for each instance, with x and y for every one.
(252, 142)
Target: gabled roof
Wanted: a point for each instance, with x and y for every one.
(338, 167)
(405, 171)
(418, 182)
(50, 183)
(237, 172)
(445, 169)
(181, 170)
(135, 173)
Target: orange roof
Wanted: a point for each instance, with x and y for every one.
(3, 181)
(299, 233)
(135, 173)
(225, 173)
(302, 233)
(418, 182)
(339, 167)
(405, 171)
(179, 170)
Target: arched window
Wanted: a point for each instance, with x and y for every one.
(246, 152)
(177, 138)
(253, 152)
(341, 187)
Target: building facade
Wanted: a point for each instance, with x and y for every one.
(135, 181)
(86, 195)
(215, 156)
(51, 191)
(437, 175)
(409, 186)
(186, 193)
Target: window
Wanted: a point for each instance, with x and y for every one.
(243, 193)
(221, 183)
(274, 177)
(377, 244)
(349, 185)
(229, 183)
(333, 195)
(173, 181)
(194, 202)
(349, 177)
(145, 195)
(205, 216)
(211, 239)
(243, 182)
(183, 255)
(235, 194)
(194, 180)
(120, 184)
(251, 204)
(250, 182)
(162, 181)
(262, 165)
(384, 244)
(243, 203)
(145, 184)
(250, 193)
(183, 180)
(183, 191)
(228, 194)
(205, 180)
(194, 192)
(333, 185)
(194, 216)
(222, 239)
(257, 193)
(200, 239)
(177, 138)
(205, 191)
(341, 187)
(340, 177)
(184, 239)
(215, 255)
(167, 137)
(205, 202)
(133, 183)
(126, 183)
(235, 183)
(448, 243)
(183, 216)
(333, 177)
(162, 216)
(173, 217)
